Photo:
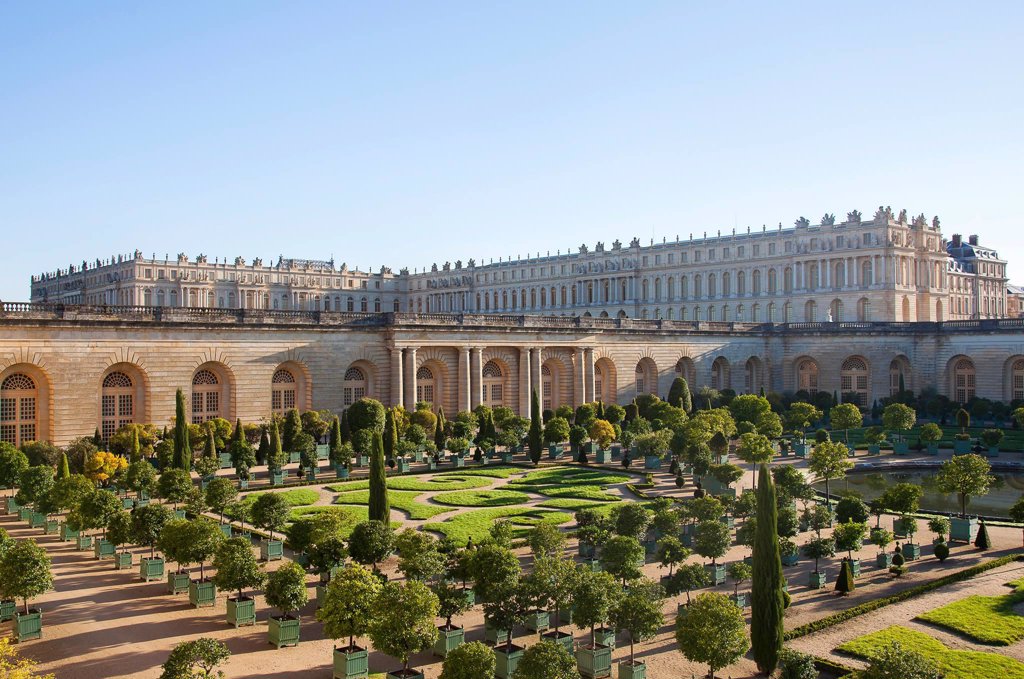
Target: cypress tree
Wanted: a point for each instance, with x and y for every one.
(766, 601)
(439, 430)
(346, 431)
(380, 510)
(845, 583)
(263, 452)
(210, 447)
(535, 438)
(335, 438)
(275, 454)
(97, 440)
(982, 542)
(600, 410)
(135, 454)
(292, 428)
(182, 446)
(390, 433)
(63, 472)
(761, 391)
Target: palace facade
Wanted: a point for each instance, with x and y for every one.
(66, 370)
(889, 268)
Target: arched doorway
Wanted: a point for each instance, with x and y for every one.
(853, 380)
(493, 385)
(19, 409)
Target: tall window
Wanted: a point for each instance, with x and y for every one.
(205, 396)
(547, 381)
(754, 379)
(354, 387)
(18, 410)
(720, 374)
(425, 385)
(1017, 380)
(687, 370)
(963, 380)
(897, 374)
(117, 403)
(853, 379)
(807, 376)
(598, 383)
(646, 377)
(493, 385)
(282, 391)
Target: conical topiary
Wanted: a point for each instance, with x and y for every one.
(845, 583)
(982, 541)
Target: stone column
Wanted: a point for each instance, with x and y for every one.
(410, 379)
(579, 379)
(536, 381)
(524, 382)
(396, 377)
(588, 362)
(463, 385)
(476, 376)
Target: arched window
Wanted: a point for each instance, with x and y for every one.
(1017, 380)
(899, 372)
(493, 384)
(350, 304)
(787, 280)
(354, 385)
(712, 285)
(18, 409)
(865, 274)
(853, 381)
(425, 384)
(863, 309)
(837, 310)
(646, 377)
(698, 287)
(117, 403)
(598, 382)
(741, 283)
(548, 385)
(963, 380)
(726, 284)
(206, 396)
(773, 282)
(810, 311)
(687, 370)
(807, 376)
(812, 277)
(282, 391)
(755, 375)
(757, 282)
(720, 378)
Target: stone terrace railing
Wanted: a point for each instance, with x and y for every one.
(26, 311)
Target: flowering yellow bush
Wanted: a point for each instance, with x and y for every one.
(102, 466)
(13, 667)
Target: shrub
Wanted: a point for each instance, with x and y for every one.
(893, 662)
(286, 588)
(796, 665)
(471, 660)
(546, 660)
(196, 658)
(941, 551)
(713, 632)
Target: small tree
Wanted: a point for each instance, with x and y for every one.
(639, 613)
(380, 509)
(882, 538)
(350, 604)
(739, 573)
(939, 525)
(174, 485)
(592, 599)
(418, 556)
(545, 539)
(270, 512)
(846, 416)
(982, 541)
(371, 542)
(712, 540)
(898, 417)
(535, 436)
(622, 556)
(95, 511)
(829, 460)
(632, 520)
(495, 569)
(689, 577)
(845, 583)
(893, 662)
(556, 430)
(196, 659)
(25, 572)
(182, 445)
(237, 567)
(219, 494)
(12, 463)
(849, 537)
(602, 433)
(451, 599)
(713, 632)
(147, 524)
(404, 620)
(546, 660)
(967, 476)
(119, 529)
(471, 660)
(819, 548)
(286, 589)
(671, 553)
(755, 449)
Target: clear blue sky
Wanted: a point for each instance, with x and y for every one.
(411, 133)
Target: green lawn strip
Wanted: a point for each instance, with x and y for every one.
(572, 475)
(577, 492)
(1013, 441)
(573, 504)
(296, 497)
(986, 619)
(440, 483)
(492, 472)
(875, 604)
(954, 664)
(352, 514)
(404, 500)
(477, 523)
(482, 498)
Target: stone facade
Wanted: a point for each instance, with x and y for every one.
(68, 370)
(888, 268)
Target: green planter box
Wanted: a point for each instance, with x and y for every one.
(24, 513)
(592, 564)
(225, 460)
(459, 461)
(351, 662)
(127, 503)
(83, 542)
(271, 550)
(402, 674)
(506, 458)
(311, 475)
(538, 621)
(816, 580)
(801, 449)
(963, 530)
(403, 466)
(151, 568)
(585, 550)
(932, 449)
(294, 456)
(900, 447)
(790, 559)
(494, 636)
(28, 626)
(883, 560)
(470, 596)
(37, 520)
(277, 478)
(341, 472)
(362, 460)
(652, 462)
(594, 662)
(631, 671)
(123, 561)
(141, 502)
(103, 549)
(563, 639)
(603, 456)
(10, 505)
(961, 447)
(448, 640)
(855, 567)
(506, 662)
(565, 616)
(900, 527)
(911, 552)
(432, 464)
(302, 559)
(202, 593)
(874, 449)
(7, 609)
(52, 527)
(283, 631)
(178, 583)
(605, 636)
(225, 529)
(554, 451)
(992, 452)
(740, 599)
(241, 611)
(179, 513)
(716, 573)
(323, 451)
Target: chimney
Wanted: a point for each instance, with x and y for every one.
(957, 242)
(973, 240)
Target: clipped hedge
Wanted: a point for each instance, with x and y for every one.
(875, 604)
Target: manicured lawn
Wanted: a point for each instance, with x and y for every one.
(593, 493)
(986, 619)
(404, 500)
(954, 664)
(492, 472)
(352, 514)
(477, 523)
(296, 497)
(1013, 441)
(573, 504)
(440, 482)
(573, 475)
(482, 498)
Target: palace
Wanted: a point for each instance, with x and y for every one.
(67, 370)
(889, 268)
